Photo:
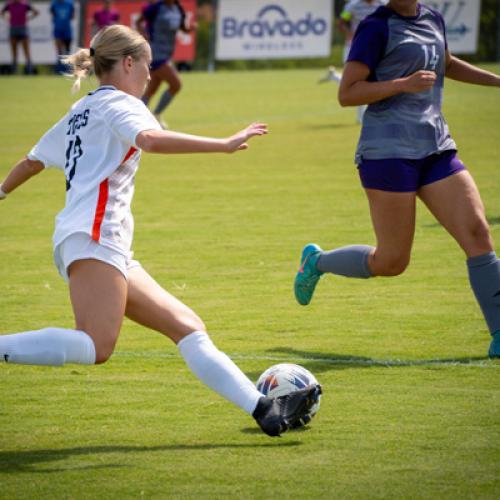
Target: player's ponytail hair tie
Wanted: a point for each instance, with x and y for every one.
(92, 51)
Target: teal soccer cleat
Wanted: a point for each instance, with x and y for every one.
(494, 351)
(308, 274)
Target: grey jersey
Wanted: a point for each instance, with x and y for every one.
(406, 125)
(163, 21)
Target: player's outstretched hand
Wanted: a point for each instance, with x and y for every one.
(238, 141)
(419, 81)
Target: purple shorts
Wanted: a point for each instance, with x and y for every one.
(401, 175)
(156, 64)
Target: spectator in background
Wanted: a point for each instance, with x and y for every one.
(353, 13)
(63, 12)
(105, 17)
(19, 13)
(163, 20)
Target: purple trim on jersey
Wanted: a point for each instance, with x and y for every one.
(370, 40)
(17, 13)
(371, 37)
(401, 176)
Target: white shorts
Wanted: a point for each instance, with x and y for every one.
(79, 246)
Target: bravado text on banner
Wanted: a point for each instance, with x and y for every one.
(273, 29)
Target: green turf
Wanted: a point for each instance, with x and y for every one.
(411, 405)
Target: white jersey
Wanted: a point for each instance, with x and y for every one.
(94, 144)
(356, 10)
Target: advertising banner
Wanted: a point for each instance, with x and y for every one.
(462, 23)
(42, 46)
(129, 12)
(272, 29)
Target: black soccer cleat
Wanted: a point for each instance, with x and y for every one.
(277, 415)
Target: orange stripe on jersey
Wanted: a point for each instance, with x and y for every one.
(103, 199)
(100, 210)
(131, 151)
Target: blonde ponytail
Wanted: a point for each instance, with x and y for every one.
(80, 64)
(108, 46)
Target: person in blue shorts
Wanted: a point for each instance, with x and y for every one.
(62, 12)
(162, 20)
(397, 64)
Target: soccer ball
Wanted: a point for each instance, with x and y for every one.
(285, 378)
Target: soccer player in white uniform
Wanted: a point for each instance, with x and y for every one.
(98, 145)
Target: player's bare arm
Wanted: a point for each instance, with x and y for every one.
(462, 71)
(355, 90)
(23, 171)
(165, 141)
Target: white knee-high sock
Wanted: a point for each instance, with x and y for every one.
(216, 370)
(50, 347)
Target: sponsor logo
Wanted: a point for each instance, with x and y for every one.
(271, 21)
(453, 14)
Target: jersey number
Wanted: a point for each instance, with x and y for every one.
(73, 153)
(431, 58)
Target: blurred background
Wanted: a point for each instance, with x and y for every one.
(239, 34)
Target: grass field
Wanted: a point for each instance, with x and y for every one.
(411, 404)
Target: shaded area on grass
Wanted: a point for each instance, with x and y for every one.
(26, 460)
(319, 362)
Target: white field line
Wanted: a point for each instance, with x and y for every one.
(387, 363)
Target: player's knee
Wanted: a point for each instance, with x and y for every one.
(394, 265)
(103, 350)
(175, 87)
(479, 236)
(195, 324)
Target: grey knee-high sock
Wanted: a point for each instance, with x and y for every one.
(350, 261)
(164, 101)
(484, 277)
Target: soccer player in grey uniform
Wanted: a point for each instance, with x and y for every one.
(163, 20)
(397, 64)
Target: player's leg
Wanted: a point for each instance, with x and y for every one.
(393, 219)
(59, 67)
(27, 55)
(13, 49)
(457, 205)
(98, 294)
(67, 45)
(168, 74)
(152, 87)
(150, 305)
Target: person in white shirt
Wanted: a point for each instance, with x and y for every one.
(352, 14)
(97, 145)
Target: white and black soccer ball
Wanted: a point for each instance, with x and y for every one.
(284, 378)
